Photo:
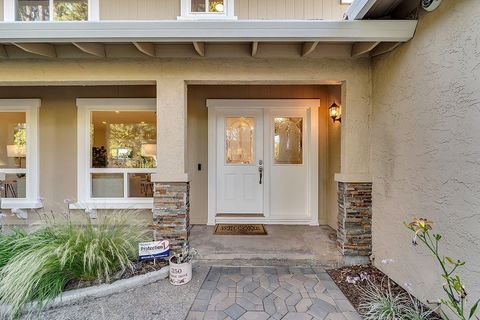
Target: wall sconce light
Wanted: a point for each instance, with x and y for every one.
(334, 112)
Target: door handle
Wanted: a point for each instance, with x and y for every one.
(260, 171)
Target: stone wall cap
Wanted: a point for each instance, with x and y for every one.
(170, 178)
(353, 177)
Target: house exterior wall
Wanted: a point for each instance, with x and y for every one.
(198, 138)
(244, 9)
(172, 77)
(334, 159)
(425, 147)
(139, 9)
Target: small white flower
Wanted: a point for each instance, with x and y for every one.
(67, 201)
(350, 280)
(388, 261)
(364, 276)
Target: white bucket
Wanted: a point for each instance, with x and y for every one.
(180, 273)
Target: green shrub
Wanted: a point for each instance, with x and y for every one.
(40, 264)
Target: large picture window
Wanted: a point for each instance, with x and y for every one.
(19, 153)
(121, 137)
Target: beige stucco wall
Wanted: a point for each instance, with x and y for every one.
(198, 136)
(426, 146)
(244, 9)
(334, 156)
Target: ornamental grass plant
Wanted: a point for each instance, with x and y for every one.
(36, 266)
(380, 304)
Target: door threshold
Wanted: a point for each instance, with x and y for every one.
(238, 215)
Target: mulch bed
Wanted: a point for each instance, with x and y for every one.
(139, 269)
(354, 291)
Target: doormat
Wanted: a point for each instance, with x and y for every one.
(241, 229)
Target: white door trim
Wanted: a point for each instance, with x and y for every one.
(311, 105)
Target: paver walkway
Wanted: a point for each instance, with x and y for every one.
(260, 293)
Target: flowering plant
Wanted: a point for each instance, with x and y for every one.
(453, 286)
(187, 254)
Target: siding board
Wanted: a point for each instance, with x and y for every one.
(289, 9)
(252, 9)
(308, 9)
(1, 10)
(262, 9)
(244, 9)
(318, 9)
(299, 13)
(139, 9)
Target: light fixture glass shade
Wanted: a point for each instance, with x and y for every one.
(16, 151)
(334, 111)
(149, 150)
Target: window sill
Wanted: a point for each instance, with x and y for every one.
(21, 204)
(113, 204)
(195, 17)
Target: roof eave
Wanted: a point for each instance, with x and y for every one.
(208, 31)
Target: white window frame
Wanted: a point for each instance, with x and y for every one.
(227, 14)
(31, 109)
(10, 12)
(85, 107)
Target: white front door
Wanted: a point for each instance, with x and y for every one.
(280, 137)
(240, 162)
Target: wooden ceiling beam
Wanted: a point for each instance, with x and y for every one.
(254, 48)
(361, 48)
(384, 47)
(41, 49)
(147, 48)
(199, 48)
(93, 48)
(308, 48)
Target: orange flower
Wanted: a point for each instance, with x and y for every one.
(419, 225)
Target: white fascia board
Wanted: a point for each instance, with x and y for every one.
(359, 8)
(208, 31)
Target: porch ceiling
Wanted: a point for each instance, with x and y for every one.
(105, 39)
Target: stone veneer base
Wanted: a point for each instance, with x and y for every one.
(354, 233)
(171, 213)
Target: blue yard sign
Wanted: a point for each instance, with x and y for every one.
(153, 250)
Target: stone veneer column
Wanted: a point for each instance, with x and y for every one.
(354, 233)
(171, 213)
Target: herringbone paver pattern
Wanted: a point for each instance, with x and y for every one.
(260, 293)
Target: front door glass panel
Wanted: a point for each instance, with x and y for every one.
(240, 140)
(288, 144)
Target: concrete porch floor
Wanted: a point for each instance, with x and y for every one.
(311, 245)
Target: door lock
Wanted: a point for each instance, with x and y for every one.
(260, 170)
